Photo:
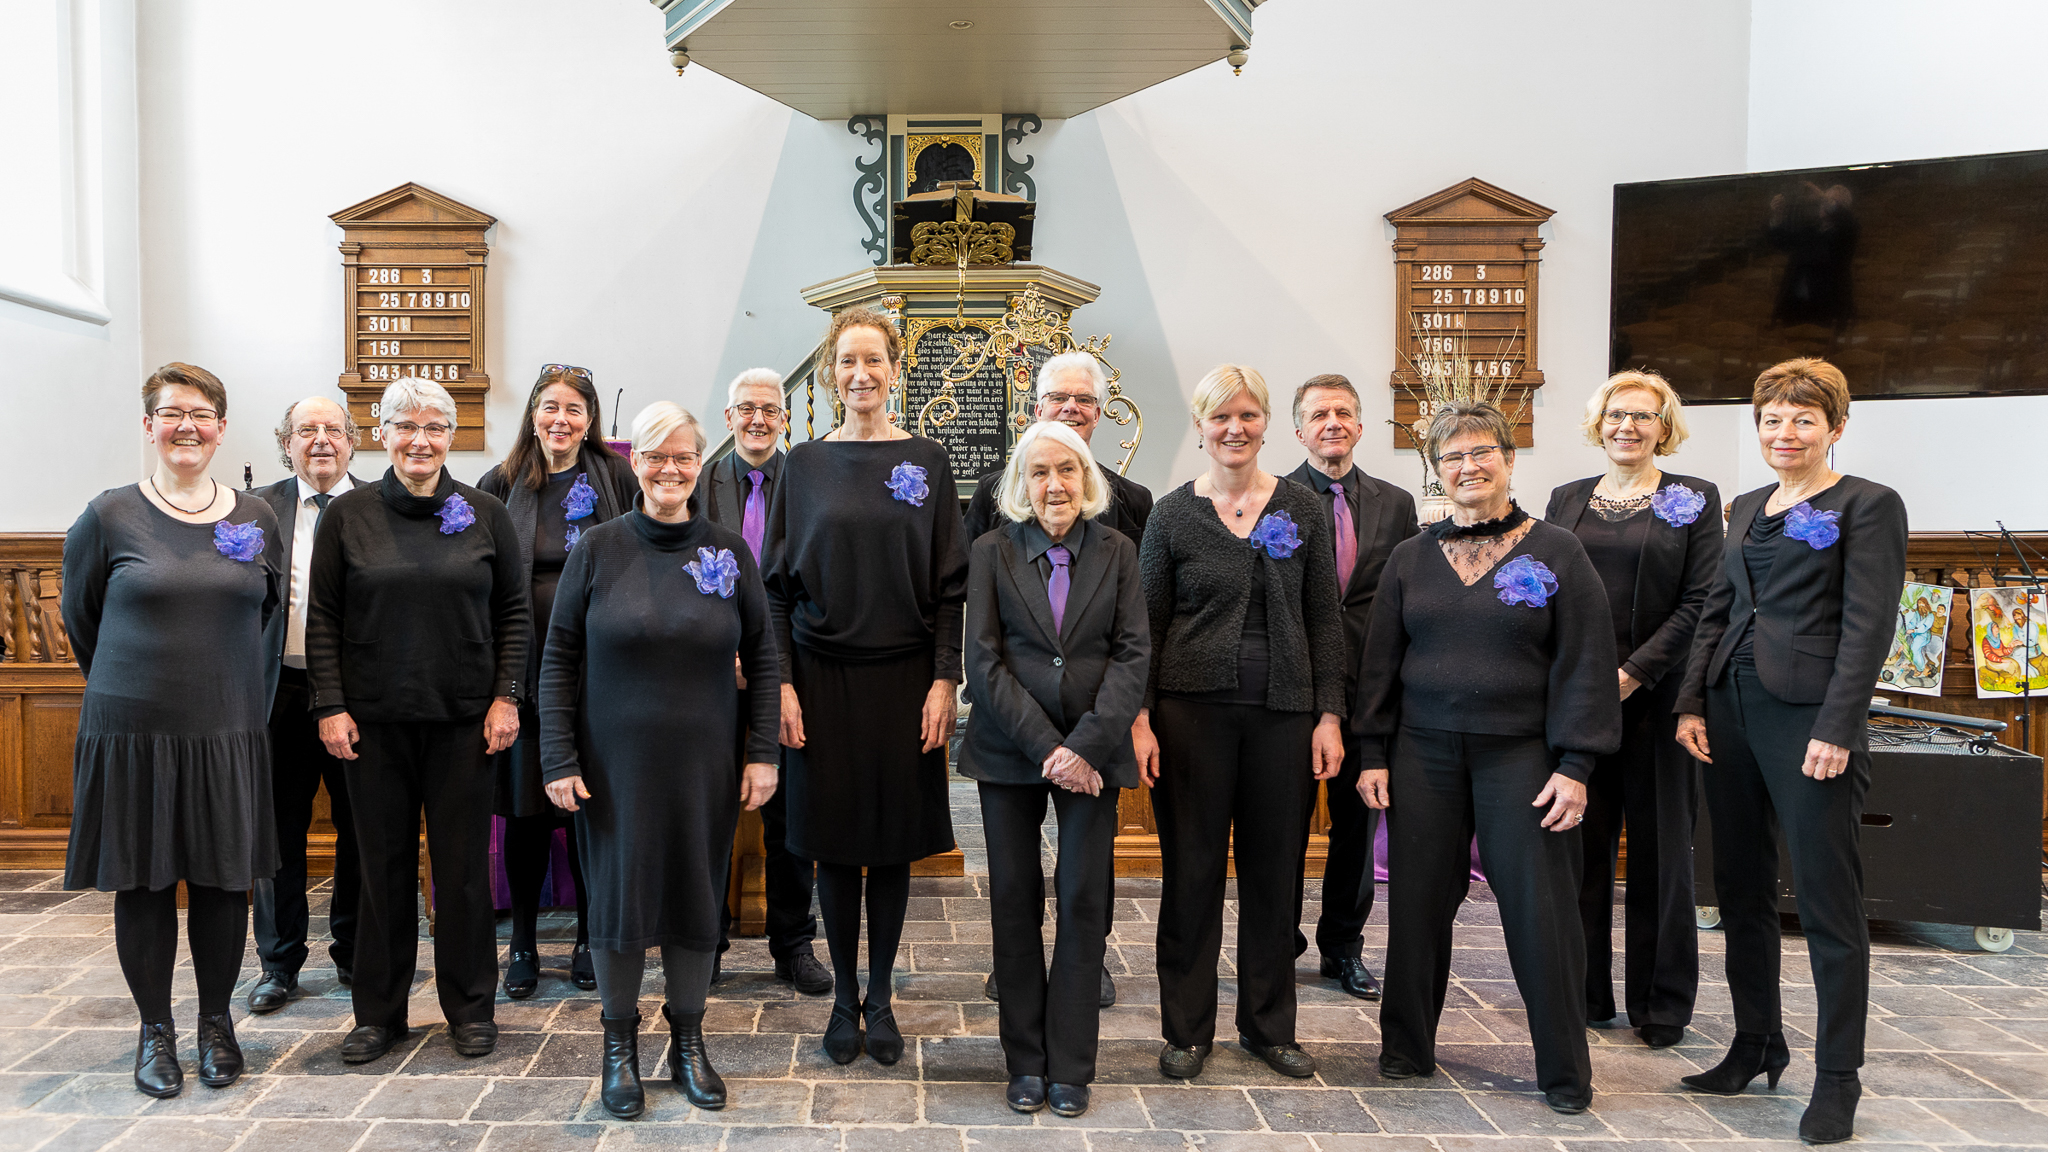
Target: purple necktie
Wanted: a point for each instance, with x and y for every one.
(1347, 536)
(1056, 588)
(754, 521)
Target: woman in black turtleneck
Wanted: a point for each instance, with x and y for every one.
(416, 636)
(1485, 693)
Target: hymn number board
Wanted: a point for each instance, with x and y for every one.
(1465, 263)
(413, 270)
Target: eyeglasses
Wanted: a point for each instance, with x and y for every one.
(659, 461)
(320, 431)
(407, 430)
(1481, 455)
(547, 370)
(201, 417)
(765, 411)
(1617, 416)
(1062, 399)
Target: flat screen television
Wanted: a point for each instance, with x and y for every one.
(1921, 278)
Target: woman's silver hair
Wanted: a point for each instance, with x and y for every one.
(285, 424)
(750, 378)
(1461, 416)
(658, 421)
(412, 394)
(1015, 500)
(1067, 362)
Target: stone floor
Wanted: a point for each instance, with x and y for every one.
(1958, 1038)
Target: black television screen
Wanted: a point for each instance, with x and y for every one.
(1922, 278)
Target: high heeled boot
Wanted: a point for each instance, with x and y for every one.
(1752, 1054)
(689, 1064)
(220, 1055)
(619, 1090)
(1831, 1113)
(156, 1060)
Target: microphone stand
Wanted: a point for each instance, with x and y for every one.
(2030, 579)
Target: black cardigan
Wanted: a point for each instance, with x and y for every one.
(611, 476)
(1444, 654)
(1197, 582)
(1824, 618)
(405, 622)
(1673, 576)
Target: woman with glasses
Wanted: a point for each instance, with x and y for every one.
(558, 482)
(416, 638)
(1655, 539)
(167, 587)
(1485, 696)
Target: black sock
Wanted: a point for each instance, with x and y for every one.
(839, 916)
(888, 902)
(146, 941)
(217, 928)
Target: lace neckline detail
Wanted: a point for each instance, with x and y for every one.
(1616, 509)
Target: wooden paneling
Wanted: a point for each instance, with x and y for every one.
(41, 689)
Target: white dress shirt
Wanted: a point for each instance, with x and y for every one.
(302, 568)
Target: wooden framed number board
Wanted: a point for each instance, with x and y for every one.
(412, 266)
(1465, 263)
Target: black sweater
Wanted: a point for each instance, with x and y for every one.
(405, 622)
(1197, 578)
(1441, 654)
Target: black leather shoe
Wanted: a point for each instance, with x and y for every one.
(842, 1034)
(988, 988)
(1182, 1063)
(346, 977)
(1400, 1068)
(689, 1064)
(1108, 999)
(804, 971)
(1661, 1035)
(220, 1057)
(1286, 1059)
(156, 1061)
(272, 990)
(1831, 1114)
(1753, 1054)
(885, 1042)
(522, 975)
(369, 1041)
(1025, 1094)
(1567, 1104)
(474, 1037)
(1352, 976)
(582, 969)
(619, 1087)
(1067, 1099)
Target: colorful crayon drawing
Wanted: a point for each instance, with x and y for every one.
(2008, 640)
(1920, 642)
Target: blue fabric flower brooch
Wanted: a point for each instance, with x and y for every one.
(1818, 528)
(906, 483)
(1525, 580)
(579, 503)
(1678, 505)
(242, 542)
(455, 514)
(1277, 534)
(715, 572)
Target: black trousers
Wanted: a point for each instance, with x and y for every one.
(1050, 1022)
(790, 879)
(299, 765)
(1651, 785)
(1225, 767)
(1754, 788)
(1445, 787)
(1347, 870)
(401, 768)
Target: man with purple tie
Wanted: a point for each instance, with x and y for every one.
(1369, 517)
(738, 489)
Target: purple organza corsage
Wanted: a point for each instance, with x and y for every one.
(1275, 532)
(242, 542)
(1525, 580)
(715, 572)
(582, 498)
(569, 541)
(906, 483)
(1678, 505)
(455, 514)
(1813, 525)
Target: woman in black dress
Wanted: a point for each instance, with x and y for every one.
(1485, 695)
(167, 586)
(866, 589)
(558, 482)
(1655, 539)
(416, 636)
(1776, 700)
(640, 726)
(1246, 696)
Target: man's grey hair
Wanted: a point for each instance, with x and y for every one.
(412, 394)
(1067, 362)
(285, 424)
(767, 377)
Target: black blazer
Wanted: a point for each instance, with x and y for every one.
(1130, 505)
(283, 500)
(1673, 576)
(1824, 618)
(1035, 691)
(1386, 516)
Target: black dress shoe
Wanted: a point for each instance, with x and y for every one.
(1025, 1094)
(1831, 1114)
(1400, 1068)
(156, 1061)
(369, 1041)
(272, 990)
(522, 975)
(1752, 1055)
(1567, 1104)
(474, 1037)
(1108, 999)
(842, 1034)
(1661, 1035)
(582, 969)
(346, 977)
(1182, 1063)
(1067, 1099)
(988, 988)
(220, 1057)
(1286, 1059)
(885, 1042)
(804, 971)
(1352, 976)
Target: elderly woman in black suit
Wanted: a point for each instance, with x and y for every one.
(416, 636)
(1485, 696)
(1655, 539)
(1775, 701)
(1245, 697)
(1057, 654)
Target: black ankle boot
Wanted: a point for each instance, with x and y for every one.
(156, 1060)
(690, 1064)
(220, 1057)
(1753, 1054)
(1831, 1114)
(620, 1090)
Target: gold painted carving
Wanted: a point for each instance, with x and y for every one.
(940, 242)
(972, 141)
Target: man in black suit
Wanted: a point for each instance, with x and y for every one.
(737, 492)
(1368, 517)
(316, 439)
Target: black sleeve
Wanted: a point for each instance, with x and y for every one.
(949, 574)
(1377, 712)
(1155, 569)
(1583, 708)
(784, 586)
(511, 609)
(1666, 648)
(1322, 612)
(493, 483)
(981, 508)
(561, 668)
(993, 686)
(759, 663)
(1105, 727)
(326, 608)
(1873, 547)
(84, 595)
(1706, 636)
(276, 575)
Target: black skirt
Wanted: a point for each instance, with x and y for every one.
(861, 791)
